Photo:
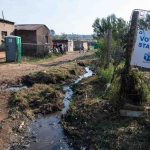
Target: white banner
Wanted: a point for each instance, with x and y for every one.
(141, 52)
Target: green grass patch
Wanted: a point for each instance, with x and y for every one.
(106, 73)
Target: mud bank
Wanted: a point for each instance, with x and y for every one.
(94, 123)
(56, 75)
(22, 104)
(46, 132)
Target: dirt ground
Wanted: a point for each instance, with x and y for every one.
(2, 55)
(95, 124)
(3, 105)
(11, 73)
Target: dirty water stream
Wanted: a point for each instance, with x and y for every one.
(47, 132)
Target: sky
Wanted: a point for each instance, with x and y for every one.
(68, 16)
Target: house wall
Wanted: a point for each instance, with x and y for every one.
(43, 37)
(27, 36)
(34, 42)
(9, 28)
(85, 45)
(80, 44)
(70, 46)
(29, 40)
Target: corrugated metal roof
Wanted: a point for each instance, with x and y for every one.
(28, 26)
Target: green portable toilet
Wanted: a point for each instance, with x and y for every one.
(13, 48)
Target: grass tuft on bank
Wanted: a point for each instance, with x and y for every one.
(40, 98)
(55, 75)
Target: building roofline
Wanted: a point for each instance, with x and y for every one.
(29, 27)
(45, 26)
(59, 40)
(6, 21)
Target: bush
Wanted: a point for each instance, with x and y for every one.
(101, 50)
(106, 74)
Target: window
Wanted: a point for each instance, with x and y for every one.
(46, 37)
(4, 33)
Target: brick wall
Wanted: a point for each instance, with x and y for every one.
(9, 28)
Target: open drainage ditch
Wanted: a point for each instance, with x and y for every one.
(47, 132)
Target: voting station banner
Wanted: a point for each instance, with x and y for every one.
(141, 52)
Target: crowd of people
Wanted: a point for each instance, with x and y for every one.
(60, 48)
(63, 48)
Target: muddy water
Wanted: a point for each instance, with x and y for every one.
(47, 132)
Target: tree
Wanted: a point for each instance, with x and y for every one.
(63, 36)
(118, 26)
(113, 31)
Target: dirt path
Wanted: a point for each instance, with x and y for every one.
(10, 73)
(2, 55)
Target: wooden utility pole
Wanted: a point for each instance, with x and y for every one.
(131, 38)
(126, 85)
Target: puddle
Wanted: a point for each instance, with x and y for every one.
(47, 132)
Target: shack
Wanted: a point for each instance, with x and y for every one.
(36, 39)
(6, 29)
(79, 44)
(67, 45)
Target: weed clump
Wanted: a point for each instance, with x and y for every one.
(94, 123)
(131, 87)
(134, 89)
(55, 75)
(106, 74)
(40, 98)
(45, 78)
